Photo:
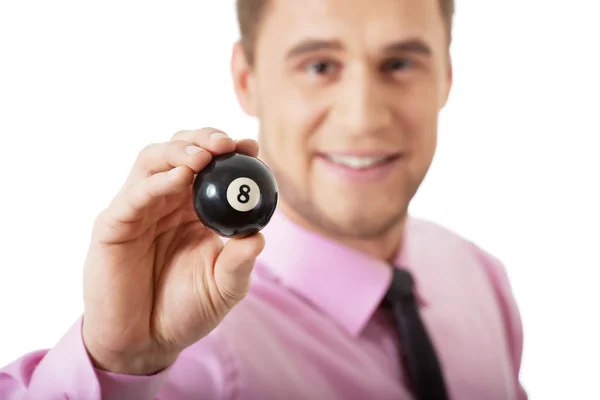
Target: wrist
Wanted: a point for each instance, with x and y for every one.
(128, 363)
(141, 365)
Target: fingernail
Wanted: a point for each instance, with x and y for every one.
(218, 136)
(191, 150)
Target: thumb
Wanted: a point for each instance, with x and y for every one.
(234, 266)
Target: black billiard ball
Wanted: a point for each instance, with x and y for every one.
(235, 195)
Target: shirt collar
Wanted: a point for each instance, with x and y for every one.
(343, 282)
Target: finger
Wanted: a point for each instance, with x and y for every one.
(175, 219)
(132, 203)
(162, 157)
(213, 140)
(248, 147)
(234, 266)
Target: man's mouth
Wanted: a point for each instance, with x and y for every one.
(360, 167)
(359, 162)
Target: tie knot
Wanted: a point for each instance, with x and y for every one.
(402, 285)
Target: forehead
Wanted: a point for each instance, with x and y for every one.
(353, 22)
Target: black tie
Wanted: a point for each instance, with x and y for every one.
(424, 370)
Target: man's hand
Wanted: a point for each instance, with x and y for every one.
(156, 280)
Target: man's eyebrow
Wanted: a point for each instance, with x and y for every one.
(403, 46)
(312, 45)
(409, 46)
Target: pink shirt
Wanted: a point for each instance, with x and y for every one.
(310, 328)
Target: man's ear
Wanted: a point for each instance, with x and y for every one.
(449, 80)
(243, 80)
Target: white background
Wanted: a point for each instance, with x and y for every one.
(84, 85)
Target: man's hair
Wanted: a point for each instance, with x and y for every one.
(251, 12)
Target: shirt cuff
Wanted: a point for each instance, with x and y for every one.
(68, 370)
(131, 387)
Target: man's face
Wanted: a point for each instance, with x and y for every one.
(348, 94)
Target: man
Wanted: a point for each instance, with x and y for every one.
(348, 95)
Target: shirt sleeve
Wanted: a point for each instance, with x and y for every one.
(206, 370)
(512, 318)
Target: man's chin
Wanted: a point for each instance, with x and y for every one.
(352, 215)
(359, 224)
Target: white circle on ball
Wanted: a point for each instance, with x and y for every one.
(243, 194)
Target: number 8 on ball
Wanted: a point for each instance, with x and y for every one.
(243, 194)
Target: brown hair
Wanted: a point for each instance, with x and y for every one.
(251, 12)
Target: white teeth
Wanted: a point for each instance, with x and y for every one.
(357, 162)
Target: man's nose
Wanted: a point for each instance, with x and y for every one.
(361, 106)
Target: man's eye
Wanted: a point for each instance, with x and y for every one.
(398, 64)
(321, 68)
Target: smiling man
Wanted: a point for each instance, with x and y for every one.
(348, 96)
(350, 298)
